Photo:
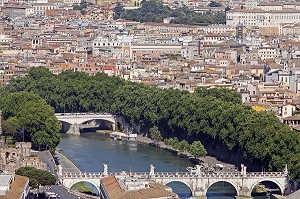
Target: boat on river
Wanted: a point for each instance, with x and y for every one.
(191, 169)
(123, 136)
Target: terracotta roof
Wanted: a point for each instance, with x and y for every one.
(114, 190)
(17, 187)
(147, 194)
(112, 187)
(293, 117)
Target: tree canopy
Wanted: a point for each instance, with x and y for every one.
(155, 11)
(30, 112)
(37, 177)
(214, 4)
(214, 117)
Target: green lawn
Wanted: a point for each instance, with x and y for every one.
(82, 187)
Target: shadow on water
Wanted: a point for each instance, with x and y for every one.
(221, 190)
(182, 190)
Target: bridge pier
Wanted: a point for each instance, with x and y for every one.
(74, 129)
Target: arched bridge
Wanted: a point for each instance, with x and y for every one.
(199, 182)
(76, 119)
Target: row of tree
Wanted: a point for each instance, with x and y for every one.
(155, 11)
(196, 149)
(214, 117)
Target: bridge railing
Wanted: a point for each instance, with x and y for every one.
(143, 175)
(82, 175)
(72, 115)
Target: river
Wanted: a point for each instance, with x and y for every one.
(90, 150)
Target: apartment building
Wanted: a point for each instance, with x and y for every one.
(18, 11)
(153, 50)
(71, 2)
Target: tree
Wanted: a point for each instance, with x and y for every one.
(176, 144)
(155, 134)
(214, 4)
(184, 146)
(118, 10)
(37, 73)
(37, 177)
(40, 124)
(29, 111)
(82, 6)
(197, 149)
(10, 128)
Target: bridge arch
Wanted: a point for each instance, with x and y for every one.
(267, 180)
(82, 180)
(223, 180)
(180, 181)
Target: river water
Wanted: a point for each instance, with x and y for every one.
(91, 150)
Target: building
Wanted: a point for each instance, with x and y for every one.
(262, 18)
(13, 187)
(18, 11)
(111, 189)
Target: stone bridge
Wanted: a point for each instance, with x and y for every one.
(76, 119)
(198, 183)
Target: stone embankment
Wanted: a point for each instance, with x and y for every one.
(206, 161)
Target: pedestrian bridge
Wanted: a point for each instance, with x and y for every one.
(75, 120)
(198, 183)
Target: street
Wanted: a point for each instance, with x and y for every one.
(64, 194)
(47, 158)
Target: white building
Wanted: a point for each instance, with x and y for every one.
(267, 52)
(5, 39)
(262, 18)
(219, 29)
(40, 8)
(71, 2)
(288, 110)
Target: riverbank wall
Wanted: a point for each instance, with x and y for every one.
(66, 163)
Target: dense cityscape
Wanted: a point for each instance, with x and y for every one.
(149, 99)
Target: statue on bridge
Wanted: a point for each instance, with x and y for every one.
(198, 169)
(105, 171)
(243, 169)
(285, 171)
(151, 170)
